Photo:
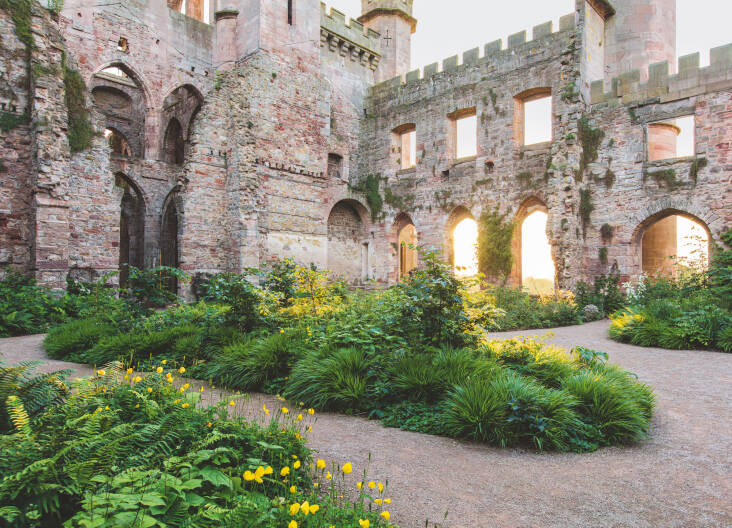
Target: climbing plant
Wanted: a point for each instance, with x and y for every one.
(495, 233)
(590, 139)
(370, 187)
(586, 207)
(80, 130)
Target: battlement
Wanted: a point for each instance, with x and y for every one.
(349, 38)
(689, 81)
(391, 5)
(491, 51)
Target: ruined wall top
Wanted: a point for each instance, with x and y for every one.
(334, 22)
(690, 80)
(516, 44)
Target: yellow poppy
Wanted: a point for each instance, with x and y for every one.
(296, 465)
(347, 468)
(320, 464)
(159, 370)
(385, 514)
(305, 507)
(285, 471)
(372, 484)
(364, 523)
(294, 509)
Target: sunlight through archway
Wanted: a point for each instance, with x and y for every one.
(537, 266)
(465, 247)
(674, 243)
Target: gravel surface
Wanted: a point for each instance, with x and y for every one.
(680, 477)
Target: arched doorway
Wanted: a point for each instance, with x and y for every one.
(348, 245)
(169, 239)
(672, 242)
(406, 245)
(131, 228)
(174, 144)
(537, 266)
(461, 242)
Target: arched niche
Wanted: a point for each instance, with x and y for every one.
(348, 242)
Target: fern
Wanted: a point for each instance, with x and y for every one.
(18, 416)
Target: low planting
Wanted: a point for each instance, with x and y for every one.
(417, 356)
(693, 310)
(125, 450)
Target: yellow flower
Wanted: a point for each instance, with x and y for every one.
(347, 468)
(101, 372)
(186, 386)
(359, 485)
(378, 501)
(268, 470)
(285, 410)
(314, 508)
(129, 370)
(164, 362)
(285, 471)
(264, 408)
(138, 379)
(381, 487)
(315, 484)
(126, 377)
(106, 408)
(305, 507)
(182, 389)
(298, 436)
(282, 330)
(149, 389)
(200, 390)
(294, 509)
(328, 475)
(320, 464)
(299, 417)
(385, 514)
(232, 403)
(364, 523)
(293, 489)
(209, 424)
(185, 405)
(248, 475)
(159, 370)
(310, 429)
(296, 465)
(293, 524)
(176, 402)
(137, 406)
(311, 411)
(182, 370)
(387, 501)
(372, 484)
(256, 476)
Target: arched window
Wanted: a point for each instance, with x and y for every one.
(537, 266)
(174, 144)
(132, 228)
(674, 243)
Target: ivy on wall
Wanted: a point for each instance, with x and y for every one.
(80, 131)
(495, 255)
(370, 187)
(586, 208)
(590, 139)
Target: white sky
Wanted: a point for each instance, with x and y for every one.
(450, 28)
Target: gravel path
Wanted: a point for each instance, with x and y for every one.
(680, 477)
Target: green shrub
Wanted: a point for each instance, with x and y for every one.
(249, 364)
(237, 292)
(508, 409)
(75, 337)
(618, 407)
(332, 380)
(420, 417)
(137, 346)
(151, 286)
(604, 292)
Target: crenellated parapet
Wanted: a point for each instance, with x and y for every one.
(690, 80)
(349, 39)
(493, 51)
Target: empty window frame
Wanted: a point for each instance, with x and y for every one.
(290, 12)
(533, 119)
(464, 125)
(404, 144)
(671, 138)
(335, 166)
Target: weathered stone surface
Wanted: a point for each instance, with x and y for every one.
(251, 138)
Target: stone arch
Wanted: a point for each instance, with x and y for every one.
(457, 215)
(134, 74)
(170, 224)
(349, 246)
(117, 142)
(404, 235)
(529, 206)
(173, 143)
(654, 241)
(123, 100)
(132, 226)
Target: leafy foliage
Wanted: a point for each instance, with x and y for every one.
(80, 130)
(495, 233)
(149, 287)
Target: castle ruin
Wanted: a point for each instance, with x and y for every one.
(216, 136)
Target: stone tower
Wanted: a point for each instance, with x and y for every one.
(639, 34)
(394, 21)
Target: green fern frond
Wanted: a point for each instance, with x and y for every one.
(18, 416)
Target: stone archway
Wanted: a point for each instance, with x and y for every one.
(531, 207)
(169, 249)
(131, 227)
(405, 234)
(458, 214)
(349, 248)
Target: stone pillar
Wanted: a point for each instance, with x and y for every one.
(393, 20)
(225, 52)
(639, 34)
(662, 140)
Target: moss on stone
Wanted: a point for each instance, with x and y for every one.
(609, 178)
(667, 177)
(586, 207)
(524, 179)
(603, 256)
(369, 186)
(399, 203)
(20, 12)
(606, 232)
(590, 139)
(9, 121)
(697, 165)
(80, 132)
